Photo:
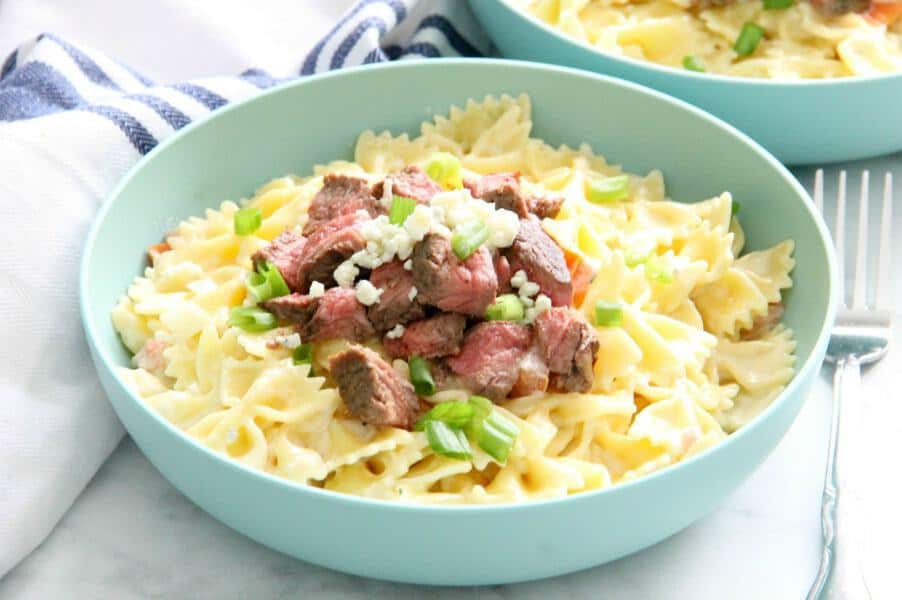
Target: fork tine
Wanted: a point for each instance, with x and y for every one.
(819, 190)
(839, 234)
(882, 298)
(860, 291)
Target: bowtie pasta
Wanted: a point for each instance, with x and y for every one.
(792, 40)
(696, 355)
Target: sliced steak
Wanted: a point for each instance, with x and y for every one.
(412, 182)
(434, 337)
(340, 195)
(545, 207)
(569, 345)
(395, 305)
(338, 315)
(372, 390)
(533, 375)
(502, 190)
(293, 308)
(503, 273)
(489, 359)
(330, 245)
(543, 260)
(286, 252)
(466, 287)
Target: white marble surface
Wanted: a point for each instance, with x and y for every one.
(132, 535)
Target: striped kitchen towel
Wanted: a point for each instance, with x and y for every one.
(72, 122)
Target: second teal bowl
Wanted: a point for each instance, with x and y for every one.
(315, 120)
(800, 122)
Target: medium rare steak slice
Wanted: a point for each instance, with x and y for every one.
(569, 345)
(545, 207)
(436, 336)
(294, 308)
(286, 252)
(395, 305)
(372, 390)
(330, 245)
(533, 375)
(338, 315)
(543, 261)
(412, 182)
(340, 195)
(489, 359)
(466, 287)
(501, 189)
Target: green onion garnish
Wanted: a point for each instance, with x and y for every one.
(455, 414)
(777, 4)
(447, 441)
(251, 318)
(608, 314)
(507, 307)
(748, 39)
(468, 238)
(482, 408)
(657, 270)
(401, 208)
(693, 63)
(248, 220)
(634, 258)
(444, 168)
(303, 355)
(609, 189)
(734, 208)
(267, 282)
(497, 436)
(420, 376)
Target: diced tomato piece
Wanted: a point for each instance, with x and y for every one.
(581, 275)
(885, 12)
(157, 249)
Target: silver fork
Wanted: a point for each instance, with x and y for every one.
(860, 336)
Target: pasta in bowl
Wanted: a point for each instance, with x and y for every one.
(531, 518)
(369, 313)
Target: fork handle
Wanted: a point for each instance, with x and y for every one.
(840, 575)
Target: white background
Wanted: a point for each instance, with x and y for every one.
(131, 534)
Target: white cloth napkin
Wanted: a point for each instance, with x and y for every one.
(72, 122)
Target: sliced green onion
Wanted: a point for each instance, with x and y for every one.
(248, 220)
(609, 189)
(608, 314)
(777, 4)
(446, 441)
(303, 355)
(267, 282)
(734, 208)
(748, 39)
(498, 436)
(506, 307)
(444, 168)
(693, 63)
(455, 414)
(251, 318)
(468, 238)
(420, 376)
(657, 270)
(401, 208)
(634, 258)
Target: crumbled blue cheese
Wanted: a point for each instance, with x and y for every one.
(412, 293)
(529, 289)
(317, 289)
(387, 194)
(346, 273)
(542, 304)
(290, 341)
(367, 293)
(395, 332)
(408, 265)
(518, 279)
(386, 242)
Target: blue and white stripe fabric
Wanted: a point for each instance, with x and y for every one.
(49, 75)
(72, 122)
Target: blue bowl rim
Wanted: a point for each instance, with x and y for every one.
(351, 501)
(675, 72)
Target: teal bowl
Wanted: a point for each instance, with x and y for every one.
(799, 122)
(315, 120)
